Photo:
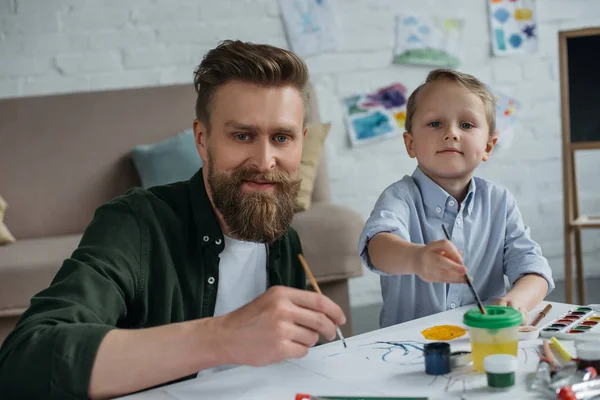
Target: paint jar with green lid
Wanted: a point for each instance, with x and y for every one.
(500, 370)
(496, 332)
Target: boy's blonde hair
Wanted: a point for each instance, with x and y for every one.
(467, 81)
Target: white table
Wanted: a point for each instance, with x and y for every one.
(366, 368)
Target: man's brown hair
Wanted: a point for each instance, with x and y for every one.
(467, 81)
(234, 60)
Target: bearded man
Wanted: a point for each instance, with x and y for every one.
(189, 277)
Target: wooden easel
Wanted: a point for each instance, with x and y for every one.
(578, 53)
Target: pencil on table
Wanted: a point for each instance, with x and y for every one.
(548, 353)
(315, 286)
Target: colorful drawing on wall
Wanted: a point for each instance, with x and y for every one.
(514, 26)
(376, 115)
(507, 111)
(310, 26)
(428, 41)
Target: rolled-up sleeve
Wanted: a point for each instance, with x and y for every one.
(522, 255)
(390, 214)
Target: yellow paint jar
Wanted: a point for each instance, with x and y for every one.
(496, 332)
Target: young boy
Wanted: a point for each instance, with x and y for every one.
(450, 129)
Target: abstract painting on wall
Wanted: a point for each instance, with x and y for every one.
(514, 26)
(377, 115)
(311, 26)
(428, 41)
(507, 110)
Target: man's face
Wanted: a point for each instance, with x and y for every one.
(252, 152)
(450, 135)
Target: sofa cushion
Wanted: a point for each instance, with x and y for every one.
(311, 156)
(329, 234)
(28, 266)
(170, 160)
(5, 235)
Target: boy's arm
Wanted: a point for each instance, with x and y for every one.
(385, 245)
(524, 265)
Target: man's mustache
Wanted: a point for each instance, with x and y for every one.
(252, 174)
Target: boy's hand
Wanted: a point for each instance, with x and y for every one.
(440, 261)
(507, 301)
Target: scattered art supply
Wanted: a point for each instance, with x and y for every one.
(443, 332)
(548, 353)
(528, 333)
(578, 321)
(437, 358)
(301, 396)
(513, 26)
(582, 390)
(428, 40)
(541, 315)
(377, 115)
(311, 26)
(588, 354)
(565, 355)
(495, 332)
(542, 378)
(460, 359)
(500, 370)
(316, 288)
(467, 279)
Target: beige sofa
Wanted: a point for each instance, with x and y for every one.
(62, 156)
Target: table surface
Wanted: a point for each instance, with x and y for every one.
(385, 362)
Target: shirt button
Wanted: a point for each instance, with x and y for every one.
(211, 280)
(451, 203)
(218, 242)
(206, 238)
(452, 305)
(438, 210)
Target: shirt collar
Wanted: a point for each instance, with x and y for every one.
(437, 199)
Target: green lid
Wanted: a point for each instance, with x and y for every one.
(496, 317)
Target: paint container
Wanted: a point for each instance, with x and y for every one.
(437, 358)
(588, 354)
(496, 332)
(460, 359)
(500, 370)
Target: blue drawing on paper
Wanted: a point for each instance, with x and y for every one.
(392, 96)
(529, 31)
(371, 126)
(307, 18)
(501, 15)
(411, 21)
(515, 40)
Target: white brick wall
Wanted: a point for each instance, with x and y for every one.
(55, 46)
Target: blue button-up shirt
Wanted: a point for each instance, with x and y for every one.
(487, 227)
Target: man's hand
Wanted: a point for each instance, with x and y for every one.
(507, 301)
(439, 261)
(280, 324)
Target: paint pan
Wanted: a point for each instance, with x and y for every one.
(579, 321)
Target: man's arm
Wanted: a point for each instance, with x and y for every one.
(280, 324)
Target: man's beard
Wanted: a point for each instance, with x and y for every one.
(254, 216)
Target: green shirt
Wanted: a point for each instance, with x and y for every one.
(148, 258)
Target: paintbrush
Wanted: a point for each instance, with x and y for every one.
(467, 279)
(315, 286)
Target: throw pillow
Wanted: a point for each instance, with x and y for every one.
(5, 235)
(171, 160)
(311, 156)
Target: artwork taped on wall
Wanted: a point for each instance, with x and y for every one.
(311, 26)
(514, 26)
(429, 40)
(507, 111)
(377, 115)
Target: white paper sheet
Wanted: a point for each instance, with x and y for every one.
(311, 26)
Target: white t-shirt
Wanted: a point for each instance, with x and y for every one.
(242, 278)
(242, 274)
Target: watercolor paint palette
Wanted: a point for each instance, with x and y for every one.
(578, 321)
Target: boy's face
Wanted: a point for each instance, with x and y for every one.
(450, 133)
